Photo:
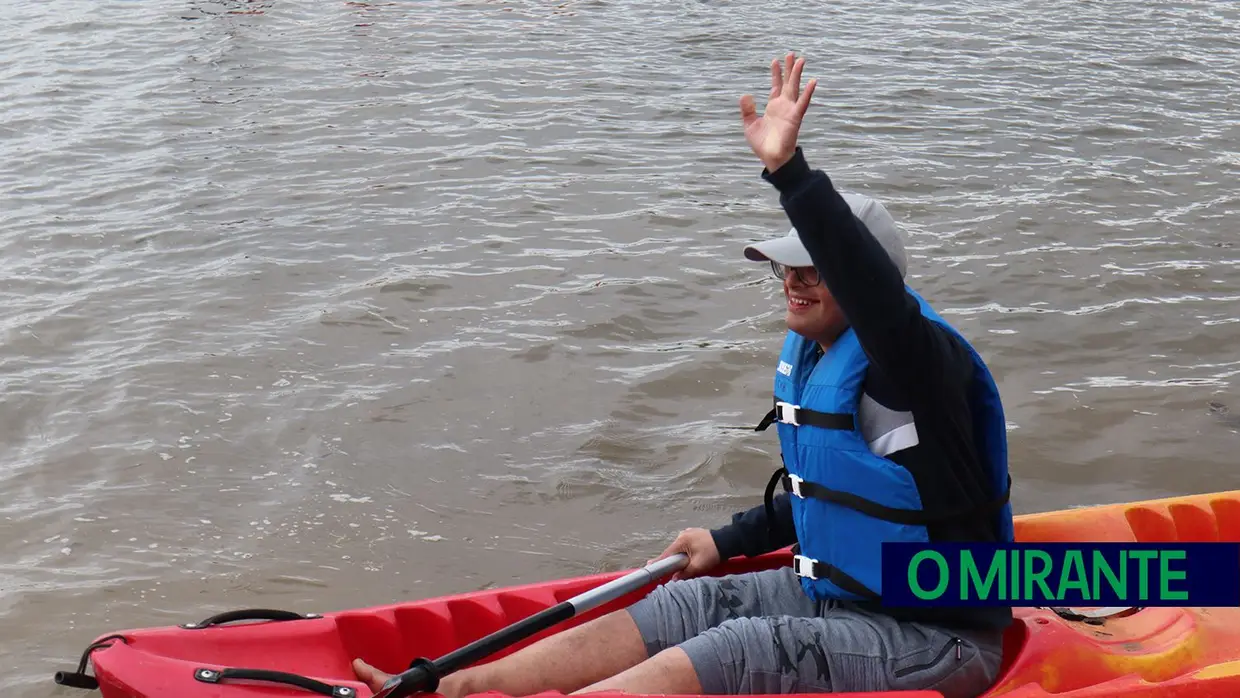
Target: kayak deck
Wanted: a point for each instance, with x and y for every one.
(1138, 654)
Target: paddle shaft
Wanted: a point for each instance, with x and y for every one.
(419, 678)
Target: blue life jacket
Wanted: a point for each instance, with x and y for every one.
(846, 501)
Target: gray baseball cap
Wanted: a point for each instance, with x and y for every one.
(789, 251)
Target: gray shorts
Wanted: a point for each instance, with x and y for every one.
(759, 633)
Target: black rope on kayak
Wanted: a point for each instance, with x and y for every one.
(79, 678)
(248, 614)
(217, 675)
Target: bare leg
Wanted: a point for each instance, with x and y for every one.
(667, 673)
(563, 662)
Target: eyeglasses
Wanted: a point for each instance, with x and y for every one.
(808, 276)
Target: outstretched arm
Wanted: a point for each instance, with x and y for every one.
(909, 350)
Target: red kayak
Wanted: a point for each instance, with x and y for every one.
(1065, 653)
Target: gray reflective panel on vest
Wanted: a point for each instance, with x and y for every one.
(886, 431)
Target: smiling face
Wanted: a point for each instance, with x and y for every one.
(812, 312)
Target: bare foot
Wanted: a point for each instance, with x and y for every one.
(369, 675)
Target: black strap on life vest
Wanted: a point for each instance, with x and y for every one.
(795, 414)
(807, 567)
(908, 517)
(768, 500)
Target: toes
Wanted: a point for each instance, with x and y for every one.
(369, 675)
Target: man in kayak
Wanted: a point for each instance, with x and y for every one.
(890, 428)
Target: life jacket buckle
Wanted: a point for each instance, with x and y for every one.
(804, 566)
(796, 485)
(786, 412)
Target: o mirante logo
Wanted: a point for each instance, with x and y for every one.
(1042, 574)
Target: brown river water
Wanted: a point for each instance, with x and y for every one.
(318, 305)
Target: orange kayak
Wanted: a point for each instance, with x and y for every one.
(1065, 653)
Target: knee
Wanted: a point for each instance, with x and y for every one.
(729, 657)
(664, 593)
(668, 615)
(741, 632)
(662, 600)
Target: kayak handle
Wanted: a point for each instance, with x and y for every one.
(248, 614)
(218, 675)
(79, 678)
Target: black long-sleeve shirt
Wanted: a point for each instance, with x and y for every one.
(917, 369)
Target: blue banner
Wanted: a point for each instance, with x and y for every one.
(1061, 574)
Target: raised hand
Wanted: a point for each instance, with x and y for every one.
(773, 136)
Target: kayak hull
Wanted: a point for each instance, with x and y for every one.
(1142, 653)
